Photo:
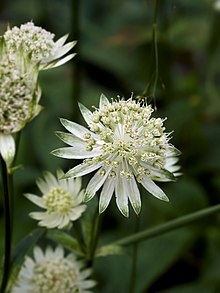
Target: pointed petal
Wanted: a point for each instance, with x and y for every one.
(35, 199)
(56, 63)
(76, 129)
(103, 101)
(62, 50)
(164, 174)
(172, 151)
(134, 195)
(61, 40)
(42, 185)
(121, 194)
(95, 183)
(7, 148)
(75, 153)
(81, 170)
(152, 188)
(87, 114)
(69, 138)
(50, 179)
(106, 194)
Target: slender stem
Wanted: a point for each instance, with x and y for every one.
(155, 51)
(7, 222)
(75, 33)
(169, 226)
(94, 237)
(134, 258)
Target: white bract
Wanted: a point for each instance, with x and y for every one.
(62, 200)
(125, 144)
(52, 272)
(39, 44)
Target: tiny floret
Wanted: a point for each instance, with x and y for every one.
(127, 145)
(62, 200)
(53, 272)
(39, 44)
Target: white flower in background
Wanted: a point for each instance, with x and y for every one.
(39, 44)
(19, 97)
(126, 145)
(216, 5)
(62, 200)
(52, 272)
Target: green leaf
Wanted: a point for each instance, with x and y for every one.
(65, 240)
(22, 249)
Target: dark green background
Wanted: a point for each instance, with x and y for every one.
(115, 57)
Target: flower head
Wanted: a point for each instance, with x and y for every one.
(39, 44)
(125, 144)
(53, 272)
(19, 97)
(19, 91)
(62, 200)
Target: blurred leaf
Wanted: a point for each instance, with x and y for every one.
(22, 248)
(157, 255)
(65, 240)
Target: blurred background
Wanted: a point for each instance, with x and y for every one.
(115, 57)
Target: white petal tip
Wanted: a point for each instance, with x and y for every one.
(88, 196)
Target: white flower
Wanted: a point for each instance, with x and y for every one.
(19, 97)
(125, 144)
(62, 200)
(39, 44)
(216, 5)
(19, 91)
(52, 272)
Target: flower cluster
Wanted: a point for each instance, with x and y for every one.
(53, 272)
(24, 52)
(124, 143)
(39, 44)
(19, 91)
(62, 200)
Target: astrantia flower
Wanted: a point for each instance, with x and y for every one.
(40, 44)
(52, 272)
(126, 145)
(19, 94)
(62, 200)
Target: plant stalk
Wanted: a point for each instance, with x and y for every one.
(7, 227)
(169, 226)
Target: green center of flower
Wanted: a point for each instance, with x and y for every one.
(58, 200)
(54, 276)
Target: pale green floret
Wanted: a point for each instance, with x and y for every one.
(32, 39)
(58, 200)
(55, 276)
(52, 272)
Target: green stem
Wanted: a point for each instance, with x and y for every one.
(94, 237)
(169, 226)
(155, 50)
(7, 222)
(76, 64)
(134, 258)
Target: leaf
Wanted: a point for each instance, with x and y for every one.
(22, 249)
(65, 240)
